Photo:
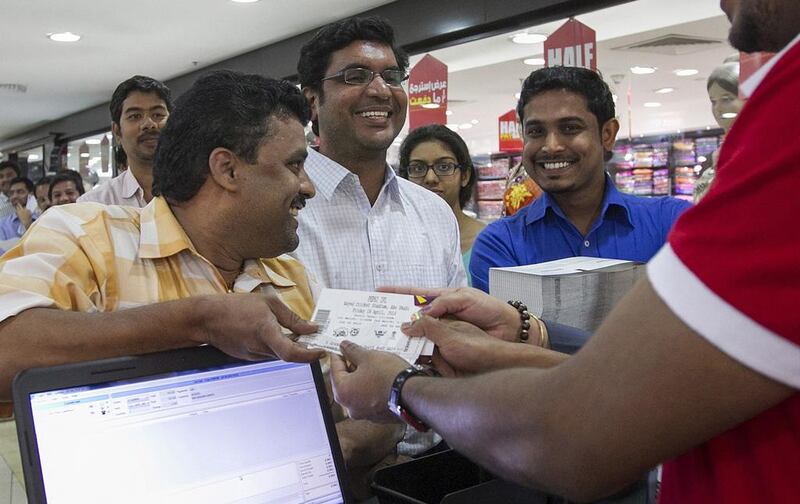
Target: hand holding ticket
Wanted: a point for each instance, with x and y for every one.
(370, 319)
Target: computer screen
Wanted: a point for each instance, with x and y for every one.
(246, 433)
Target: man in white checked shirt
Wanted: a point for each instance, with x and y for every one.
(367, 227)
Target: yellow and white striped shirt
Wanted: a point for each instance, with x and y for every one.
(89, 257)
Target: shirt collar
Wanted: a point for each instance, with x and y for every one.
(130, 186)
(328, 175)
(611, 197)
(161, 234)
(749, 86)
(255, 273)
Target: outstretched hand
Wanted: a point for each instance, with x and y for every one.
(363, 387)
(461, 348)
(250, 327)
(488, 313)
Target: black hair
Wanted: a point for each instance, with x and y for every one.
(24, 180)
(581, 81)
(66, 175)
(143, 85)
(453, 141)
(10, 164)
(315, 55)
(222, 109)
(44, 181)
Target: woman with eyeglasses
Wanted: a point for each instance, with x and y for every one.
(437, 158)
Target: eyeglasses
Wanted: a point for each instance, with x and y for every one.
(418, 169)
(362, 76)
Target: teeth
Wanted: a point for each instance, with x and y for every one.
(556, 166)
(373, 113)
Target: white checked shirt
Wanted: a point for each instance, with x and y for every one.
(409, 237)
(123, 190)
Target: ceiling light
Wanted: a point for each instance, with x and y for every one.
(474, 121)
(614, 98)
(652, 104)
(244, 1)
(430, 105)
(528, 38)
(534, 61)
(665, 90)
(64, 37)
(729, 115)
(517, 95)
(642, 70)
(93, 141)
(453, 127)
(449, 112)
(686, 72)
(33, 157)
(465, 126)
(84, 154)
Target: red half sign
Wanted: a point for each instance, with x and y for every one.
(573, 45)
(427, 93)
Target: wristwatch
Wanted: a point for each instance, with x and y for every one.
(395, 401)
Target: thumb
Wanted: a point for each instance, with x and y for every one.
(289, 319)
(432, 328)
(355, 354)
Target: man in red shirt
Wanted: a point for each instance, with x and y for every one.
(698, 367)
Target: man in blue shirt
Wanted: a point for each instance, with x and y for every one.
(13, 226)
(569, 129)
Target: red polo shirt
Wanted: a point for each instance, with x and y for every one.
(731, 271)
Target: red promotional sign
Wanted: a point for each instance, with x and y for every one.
(572, 45)
(749, 63)
(508, 131)
(427, 93)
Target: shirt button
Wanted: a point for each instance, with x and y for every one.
(379, 267)
(586, 243)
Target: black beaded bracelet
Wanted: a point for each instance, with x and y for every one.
(525, 317)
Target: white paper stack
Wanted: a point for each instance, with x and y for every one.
(576, 291)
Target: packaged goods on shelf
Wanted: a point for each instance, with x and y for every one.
(661, 184)
(625, 181)
(492, 170)
(489, 209)
(685, 178)
(490, 189)
(642, 182)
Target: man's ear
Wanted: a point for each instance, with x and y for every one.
(223, 169)
(608, 133)
(313, 102)
(115, 131)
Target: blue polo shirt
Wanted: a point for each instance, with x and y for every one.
(629, 227)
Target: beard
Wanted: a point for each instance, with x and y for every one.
(757, 27)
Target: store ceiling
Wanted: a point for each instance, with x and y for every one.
(162, 39)
(486, 74)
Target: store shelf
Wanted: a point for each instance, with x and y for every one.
(662, 165)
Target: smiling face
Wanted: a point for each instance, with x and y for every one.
(446, 186)
(355, 119)
(564, 145)
(64, 192)
(274, 190)
(143, 116)
(725, 105)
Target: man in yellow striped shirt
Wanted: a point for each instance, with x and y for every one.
(229, 182)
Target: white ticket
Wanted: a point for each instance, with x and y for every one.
(370, 319)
